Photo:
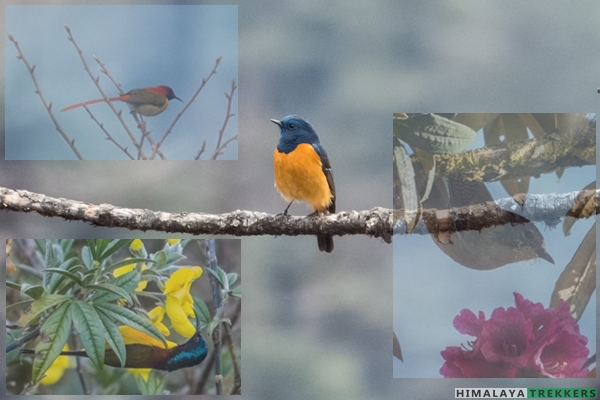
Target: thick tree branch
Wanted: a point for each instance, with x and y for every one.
(377, 222)
(523, 158)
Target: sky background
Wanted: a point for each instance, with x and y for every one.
(141, 46)
(318, 326)
(431, 288)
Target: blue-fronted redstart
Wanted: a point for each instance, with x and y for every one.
(302, 170)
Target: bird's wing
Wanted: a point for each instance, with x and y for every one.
(327, 171)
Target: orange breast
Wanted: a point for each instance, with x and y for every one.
(299, 176)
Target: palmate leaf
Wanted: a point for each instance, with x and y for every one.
(64, 273)
(127, 282)
(54, 332)
(91, 331)
(114, 337)
(129, 318)
(101, 249)
(112, 247)
(54, 279)
(40, 305)
(108, 288)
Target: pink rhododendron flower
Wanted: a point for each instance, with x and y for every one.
(525, 341)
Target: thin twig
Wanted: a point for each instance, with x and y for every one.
(108, 135)
(145, 133)
(201, 150)
(96, 80)
(185, 107)
(237, 377)
(229, 114)
(48, 106)
(218, 305)
(23, 339)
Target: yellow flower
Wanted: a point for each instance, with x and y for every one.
(156, 316)
(179, 303)
(136, 245)
(173, 241)
(57, 369)
(128, 268)
(133, 336)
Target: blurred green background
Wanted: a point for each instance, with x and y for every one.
(318, 326)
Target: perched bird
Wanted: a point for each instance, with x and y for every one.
(188, 354)
(302, 170)
(491, 247)
(148, 102)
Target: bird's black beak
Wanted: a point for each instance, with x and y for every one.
(278, 123)
(175, 97)
(542, 253)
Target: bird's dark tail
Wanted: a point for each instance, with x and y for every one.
(325, 243)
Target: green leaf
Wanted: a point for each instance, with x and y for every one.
(19, 305)
(231, 278)
(35, 292)
(41, 305)
(66, 244)
(93, 244)
(201, 311)
(127, 282)
(91, 331)
(433, 133)
(114, 337)
(236, 292)
(223, 279)
(160, 258)
(111, 247)
(32, 271)
(87, 257)
(153, 386)
(66, 274)
(51, 260)
(110, 288)
(53, 281)
(217, 276)
(13, 285)
(129, 318)
(55, 332)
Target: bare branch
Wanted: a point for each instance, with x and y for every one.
(219, 149)
(523, 158)
(96, 81)
(377, 222)
(201, 150)
(547, 208)
(108, 135)
(185, 107)
(48, 106)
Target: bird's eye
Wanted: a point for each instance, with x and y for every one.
(292, 126)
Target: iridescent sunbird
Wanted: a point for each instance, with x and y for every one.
(188, 354)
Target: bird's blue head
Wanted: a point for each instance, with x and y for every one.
(295, 130)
